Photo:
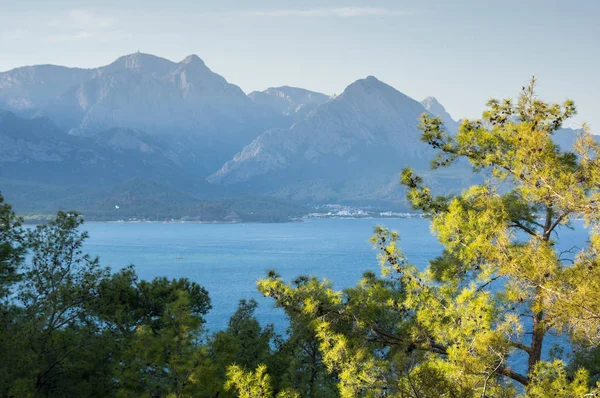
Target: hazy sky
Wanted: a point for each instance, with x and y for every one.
(462, 52)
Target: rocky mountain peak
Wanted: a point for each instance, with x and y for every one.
(371, 88)
(344, 137)
(193, 60)
(378, 102)
(290, 101)
(369, 82)
(139, 62)
(431, 102)
(194, 67)
(433, 106)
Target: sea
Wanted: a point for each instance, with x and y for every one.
(229, 259)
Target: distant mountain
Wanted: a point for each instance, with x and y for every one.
(436, 109)
(36, 150)
(144, 199)
(566, 137)
(40, 164)
(138, 91)
(289, 101)
(156, 95)
(31, 88)
(144, 132)
(43, 169)
(206, 118)
(349, 148)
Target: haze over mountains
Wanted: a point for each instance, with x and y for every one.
(352, 147)
(138, 91)
(144, 92)
(289, 101)
(160, 138)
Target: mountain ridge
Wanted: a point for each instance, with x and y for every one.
(188, 128)
(345, 141)
(212, 118)
(290, 101)
(433, 106)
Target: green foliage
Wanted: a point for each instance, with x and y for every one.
(57, 283)
(159, 328)
(346, 326)
(12, 247)
(244, 343)
(75, 329)
(494, 233)
(165, 360)
(255, 384)
(249, 384)
(298, 362)
(552, 380)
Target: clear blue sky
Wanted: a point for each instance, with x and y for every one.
(462, 52)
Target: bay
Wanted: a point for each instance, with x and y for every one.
(228, 259)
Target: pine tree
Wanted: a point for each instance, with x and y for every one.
(500, 287)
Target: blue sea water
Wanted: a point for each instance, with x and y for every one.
(228, 259)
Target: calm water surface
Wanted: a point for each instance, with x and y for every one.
(228, 259)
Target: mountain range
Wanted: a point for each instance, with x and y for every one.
(289, 101)
(210, 118)
(352, 147)
(159, 138)
(137, 91)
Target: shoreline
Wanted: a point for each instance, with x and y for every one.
(417, 216)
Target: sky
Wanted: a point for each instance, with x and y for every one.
(461, 52)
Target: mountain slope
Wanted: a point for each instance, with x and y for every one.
(566, 137)
(35, 152)
(31, 88)
(43, 169)
(144, 199)
(436, 109)
(149, 93)
(350, 148)
(206, 119)
(289, 101)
